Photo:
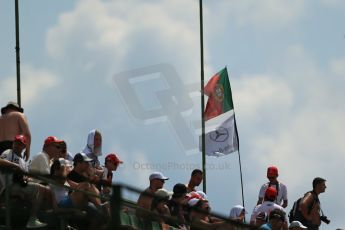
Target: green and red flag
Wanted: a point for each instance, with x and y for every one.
(219, 95)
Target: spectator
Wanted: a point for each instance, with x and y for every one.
(276, 220)
(157, 180)
(64, 153)
(310, 205)
(81, 163)
(20, 187)
(93, 148)
(261, 219)
(76, 199)
(237, 213)
(195, 180)
(159, 204)
(177, 204)
(267, 206)
(79, 176)
(112, 162)
(51, 150)
(200, 216)
(272, 175)
(13, 122)
(296, 225)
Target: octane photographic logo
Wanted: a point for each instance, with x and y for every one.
(168, 96)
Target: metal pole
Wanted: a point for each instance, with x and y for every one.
(239, 159)
(202, 100)
(17, 54)
(115, 202)
(7, 200)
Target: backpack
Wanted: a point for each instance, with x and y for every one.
(296, 214)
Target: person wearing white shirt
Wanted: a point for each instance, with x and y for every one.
(272, 175)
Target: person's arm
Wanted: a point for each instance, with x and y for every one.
(261, 194)
(253, 216)
(9, 165)
(305, 203)
(24, 127)
(260, 201)
(285, 199)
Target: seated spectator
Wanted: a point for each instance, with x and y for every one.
(238, 213)
(79, 175)
(157, 180)
(276, 220)
(93, 148)
(159, 204)
(112, 162)
(64, 153)
(81, 165)
(76, 199)
(51, 150)
(200, 216)
(19, 185)
(177, 204)
(261, 219)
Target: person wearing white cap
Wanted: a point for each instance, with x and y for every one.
(237, 213)
(157, 180)
(296, 225)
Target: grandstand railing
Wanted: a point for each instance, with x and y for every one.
(117, 205)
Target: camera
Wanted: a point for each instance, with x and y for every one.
(325, 219)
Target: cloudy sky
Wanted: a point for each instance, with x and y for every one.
(132, 70)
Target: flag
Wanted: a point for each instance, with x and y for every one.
(219, 95)
(223, 140)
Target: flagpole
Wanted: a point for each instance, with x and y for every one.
(239, 158)
(17, 53)
(202, 100)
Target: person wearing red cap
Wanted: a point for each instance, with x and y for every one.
(13, 122)
(272, 175)
(267, 206)
(112, 162)
(42, 161)
(20, 186)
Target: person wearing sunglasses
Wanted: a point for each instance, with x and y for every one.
(51, 150)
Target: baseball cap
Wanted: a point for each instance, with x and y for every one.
(81, 157)
(20, 138)
(64, 162)
(202, 194)
(271, 193)
(277, 214)
(158, 175)
(192, 202)
(51, 140)
(297, 224)
(113, 158)
(262, 216)
(272, 171)
(163, 193)
(179, 190)
(12, 105)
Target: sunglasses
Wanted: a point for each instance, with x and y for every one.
(57, 146)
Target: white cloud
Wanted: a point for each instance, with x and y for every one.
(261, 14)
(112, 33)
(259, 93)
(338, 67)
(34, 84)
